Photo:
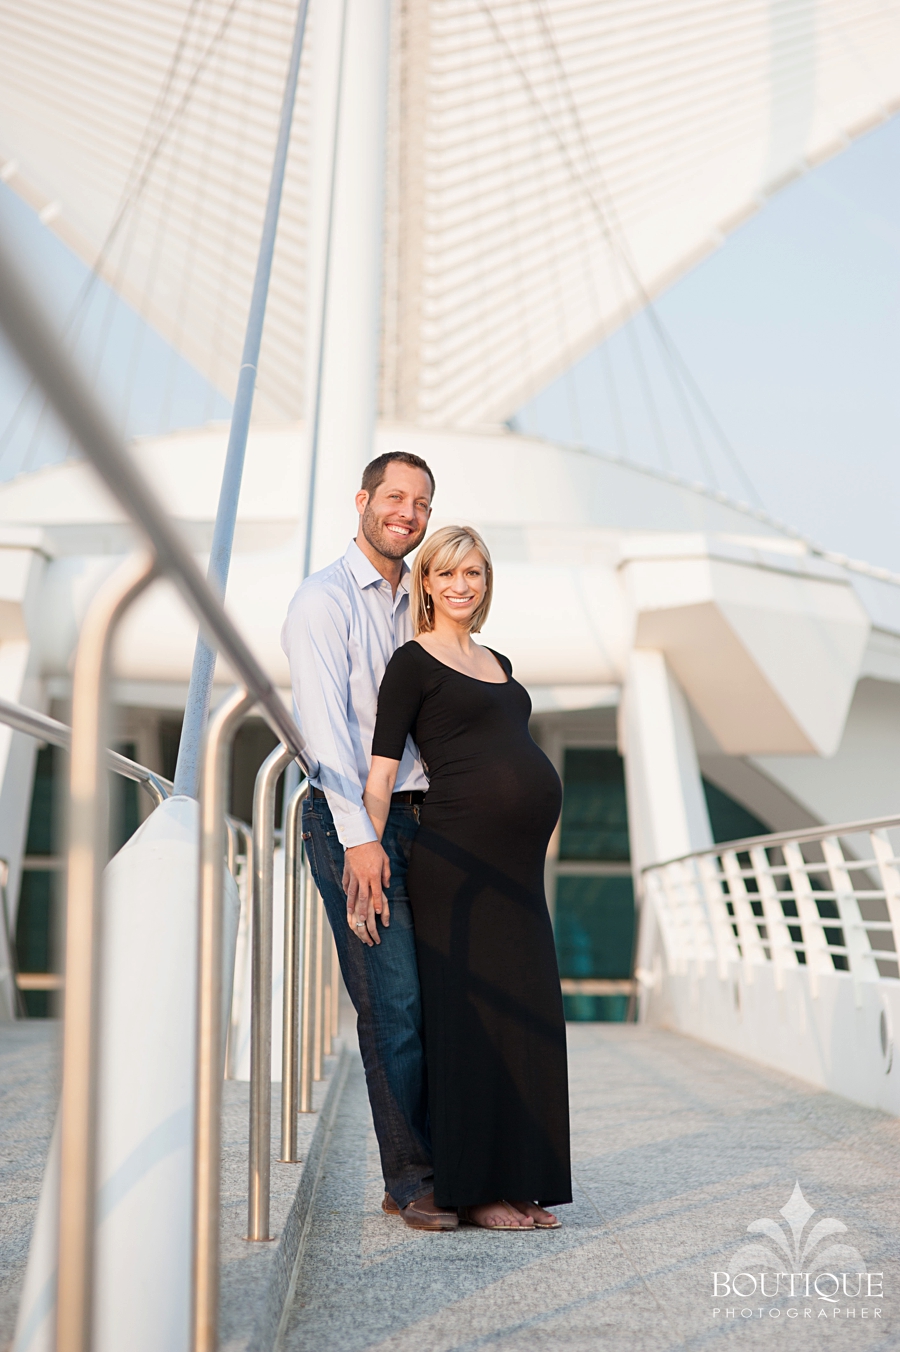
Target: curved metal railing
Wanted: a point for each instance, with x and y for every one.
(60, 734)
(826, 899)
(47, 729)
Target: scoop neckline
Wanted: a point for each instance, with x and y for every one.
(447, 666)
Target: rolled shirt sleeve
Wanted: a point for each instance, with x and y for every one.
(316, 639)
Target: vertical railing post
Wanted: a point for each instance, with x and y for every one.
(752, 953)
(889, 873)
(261, 992)
(780, 945)
(717, 909)
(88, 850)
(208, 1114)
(818, 960)
(327, 991)
(860, 957)
(308, 992)
(335, 992)
(293, 888)
(231, 857)
(319, 1016)
(248, 864)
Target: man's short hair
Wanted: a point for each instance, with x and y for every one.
(375, 470)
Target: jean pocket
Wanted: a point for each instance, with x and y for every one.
(326, 868)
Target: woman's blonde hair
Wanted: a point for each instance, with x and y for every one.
(447, 548)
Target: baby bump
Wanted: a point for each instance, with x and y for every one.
(495, 823)
(516, 795)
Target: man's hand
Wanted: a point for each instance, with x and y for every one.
(367, 871)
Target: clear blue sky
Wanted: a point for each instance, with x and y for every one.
(147, 386)
(792, 331)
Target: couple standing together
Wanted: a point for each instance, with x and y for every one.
(426, 831)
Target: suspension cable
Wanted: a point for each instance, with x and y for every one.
(617, 247)
(144, 159)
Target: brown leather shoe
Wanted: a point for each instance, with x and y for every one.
(422, 1214)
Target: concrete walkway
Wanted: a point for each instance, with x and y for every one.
(677, 1149)
(254, 1277)
(28, 1095)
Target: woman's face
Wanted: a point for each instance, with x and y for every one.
(457, 592)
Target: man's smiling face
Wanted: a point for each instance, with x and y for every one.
(395, 516)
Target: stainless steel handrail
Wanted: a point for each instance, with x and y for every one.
(48, 729)
(87, 850)
(308, 993)
(33, 339)
(261, 993)
(319, 1007)
(335, 993)
(210, 1031)
(294, 901)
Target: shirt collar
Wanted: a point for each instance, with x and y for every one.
(365, 571)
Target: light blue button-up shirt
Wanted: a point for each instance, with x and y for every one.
(342, 628)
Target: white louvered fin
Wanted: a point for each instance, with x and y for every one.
(550, 164)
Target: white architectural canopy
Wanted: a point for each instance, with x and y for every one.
(550, 164)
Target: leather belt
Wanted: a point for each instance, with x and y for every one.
(408, 797)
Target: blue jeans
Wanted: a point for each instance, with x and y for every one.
(383, 983)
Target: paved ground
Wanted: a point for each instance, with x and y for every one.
(28, 1097)
(246, 1269)
(28, 1093)
(677, 1149)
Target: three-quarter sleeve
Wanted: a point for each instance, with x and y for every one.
(399, 701)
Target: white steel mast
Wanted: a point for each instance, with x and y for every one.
(349, 97)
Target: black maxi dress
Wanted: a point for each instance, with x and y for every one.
(495, 1037)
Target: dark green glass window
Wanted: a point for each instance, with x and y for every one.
(594, 814)
(255, 740)
(729, 819)
(36, 916)
(595, 938)
(594, 926)
(253, 743)
(43, 820)
(36, 934)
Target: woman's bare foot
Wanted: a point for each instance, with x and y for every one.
(536, 1214)
(499, 1216)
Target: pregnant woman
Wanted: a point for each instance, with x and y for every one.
(495, 1039)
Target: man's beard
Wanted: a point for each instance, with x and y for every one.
(381, 540)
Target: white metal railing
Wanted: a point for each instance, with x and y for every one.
(826, 900)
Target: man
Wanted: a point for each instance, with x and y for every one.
(342, 627)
